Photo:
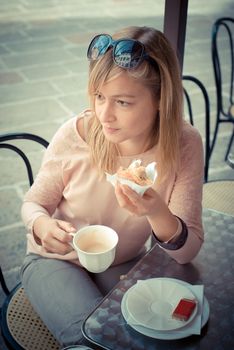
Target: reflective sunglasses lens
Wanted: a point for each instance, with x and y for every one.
(98, 46)
(128, 53)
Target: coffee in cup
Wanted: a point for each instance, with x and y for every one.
(95, 246)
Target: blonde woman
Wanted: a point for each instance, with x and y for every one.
(135, 113)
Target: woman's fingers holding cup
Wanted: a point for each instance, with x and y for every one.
(58, 247)
(57, 237)
(66, 226)
(65, 231)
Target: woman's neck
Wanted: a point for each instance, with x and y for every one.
(131, 149)
(125, 150)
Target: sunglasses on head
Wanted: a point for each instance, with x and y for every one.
(126, 53)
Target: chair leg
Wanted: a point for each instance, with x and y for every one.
(229, 146)
(214, 137)
(206, 173)
(3, 283)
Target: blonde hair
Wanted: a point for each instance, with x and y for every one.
(164, 81)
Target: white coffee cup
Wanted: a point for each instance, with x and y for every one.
(95, 246)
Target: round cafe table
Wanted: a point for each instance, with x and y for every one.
(213, 268)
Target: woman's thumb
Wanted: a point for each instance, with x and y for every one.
(66, 226)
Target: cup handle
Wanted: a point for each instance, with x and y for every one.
(73, 235)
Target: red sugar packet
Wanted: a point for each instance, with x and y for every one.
(184, 309)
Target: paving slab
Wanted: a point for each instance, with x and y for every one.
(17, 115)
(45, 72)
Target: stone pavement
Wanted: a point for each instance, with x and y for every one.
(43, 76)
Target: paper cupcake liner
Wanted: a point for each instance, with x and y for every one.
(150, 172)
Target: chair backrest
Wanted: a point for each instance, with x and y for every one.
(223, 63)
(23, 136)
(192, 88)
(21, 327)
(8, 141)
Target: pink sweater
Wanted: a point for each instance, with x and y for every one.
(67, 187)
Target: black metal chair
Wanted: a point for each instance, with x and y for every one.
(21, 327)
(218, 194)
(223, 65)
(194, 82)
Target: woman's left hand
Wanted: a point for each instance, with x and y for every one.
(147, 205)
(150, 205)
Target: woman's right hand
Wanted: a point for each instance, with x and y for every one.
(54, 235)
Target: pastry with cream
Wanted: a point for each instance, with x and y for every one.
(136, 174)
(138, 177)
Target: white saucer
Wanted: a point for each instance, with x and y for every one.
(151, 303)
(165, 335)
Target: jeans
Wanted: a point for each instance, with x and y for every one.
(63, 294)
